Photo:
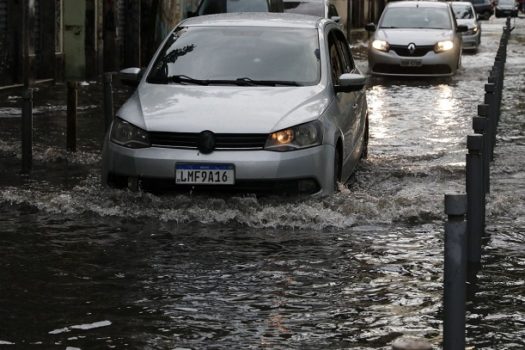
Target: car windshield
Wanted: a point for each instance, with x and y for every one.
(305, 8)
(416, 17)
(463, 11)
(239, 56)
(223, 6)
(506, 2)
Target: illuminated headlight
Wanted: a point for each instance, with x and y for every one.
(444, 46)
(297, 137)
(380, 45)
(475, 29)
(128, 135)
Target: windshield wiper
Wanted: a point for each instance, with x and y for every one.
(252, 82)
(181, 79)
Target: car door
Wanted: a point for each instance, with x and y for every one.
(349, 105)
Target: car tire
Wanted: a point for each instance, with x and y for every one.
(337, 168)
(364, 152)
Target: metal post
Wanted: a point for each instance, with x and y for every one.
(480, 126)
(455, 273)
(491, 114)
(72, 99)
(27, 131)
(475, 198)
(108, 99)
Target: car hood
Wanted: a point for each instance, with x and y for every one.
(469, 22)
(222, 109)
(420, 37)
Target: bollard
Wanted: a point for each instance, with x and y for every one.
(71, 121)
(27, 131)
(480, 126)
(491, 114)
(108, 99)
(475, 198)
(455, 273)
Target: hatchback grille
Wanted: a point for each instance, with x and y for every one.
(222, 141)
(418, 52)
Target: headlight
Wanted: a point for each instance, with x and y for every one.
(128, 135)
(297, 137)
(475, 29)
(444, 46)
(380, 45)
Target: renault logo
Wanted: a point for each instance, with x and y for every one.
(411, 48)
(206, 142)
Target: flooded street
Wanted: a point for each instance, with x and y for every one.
(86, 267)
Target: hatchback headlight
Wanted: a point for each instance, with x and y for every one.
(380, 45)
(128, 135)
(444, 46)
(297, 137)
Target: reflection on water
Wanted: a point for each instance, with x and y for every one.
(87, 267)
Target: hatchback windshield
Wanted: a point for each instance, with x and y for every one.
(238, 55)
(463, 11)
(416, 17)
(222, 6)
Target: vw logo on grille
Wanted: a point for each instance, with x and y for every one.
(411, 48)
(206, 142)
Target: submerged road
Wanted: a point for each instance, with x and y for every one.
(83, 267)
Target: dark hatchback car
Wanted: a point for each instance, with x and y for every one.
(484, 8)
(209, 7)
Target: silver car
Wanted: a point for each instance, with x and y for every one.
(247, 101)
(466, 15)
(415, 38)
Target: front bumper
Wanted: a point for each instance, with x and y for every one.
(471, 41)
(432, 64)
(254, 167)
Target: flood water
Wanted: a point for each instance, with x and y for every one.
(84, 267)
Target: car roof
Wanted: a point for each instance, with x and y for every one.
(255, 19)
(417, 4)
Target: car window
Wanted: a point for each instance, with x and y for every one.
(332, 11)
(336, 63)
(416, 17)
(344, 51)
(305, 8)
(223, 6)
(230, 53)
(463, 11)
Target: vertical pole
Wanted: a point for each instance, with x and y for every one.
(108, 99)
(48, 28)
(27, 131)
(480, 126)
(455, 273)
(28, 45)
(475, 198)
(72, 99)
(491, 114)
(132, 42)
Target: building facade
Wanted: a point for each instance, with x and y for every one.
(53, 40)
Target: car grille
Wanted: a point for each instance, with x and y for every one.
(428, 69)
(280, 186)
(222, 141)
(418, 52)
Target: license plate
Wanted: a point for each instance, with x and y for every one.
(410, 63)
(204, 174)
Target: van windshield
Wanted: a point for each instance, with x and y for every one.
(416, 17)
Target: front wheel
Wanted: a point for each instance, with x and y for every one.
(337, 168)
(366, 136)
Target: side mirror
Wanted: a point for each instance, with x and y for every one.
(349, 82)
(336, 19)
(130, 76)
(462, 28)
(370, 27)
